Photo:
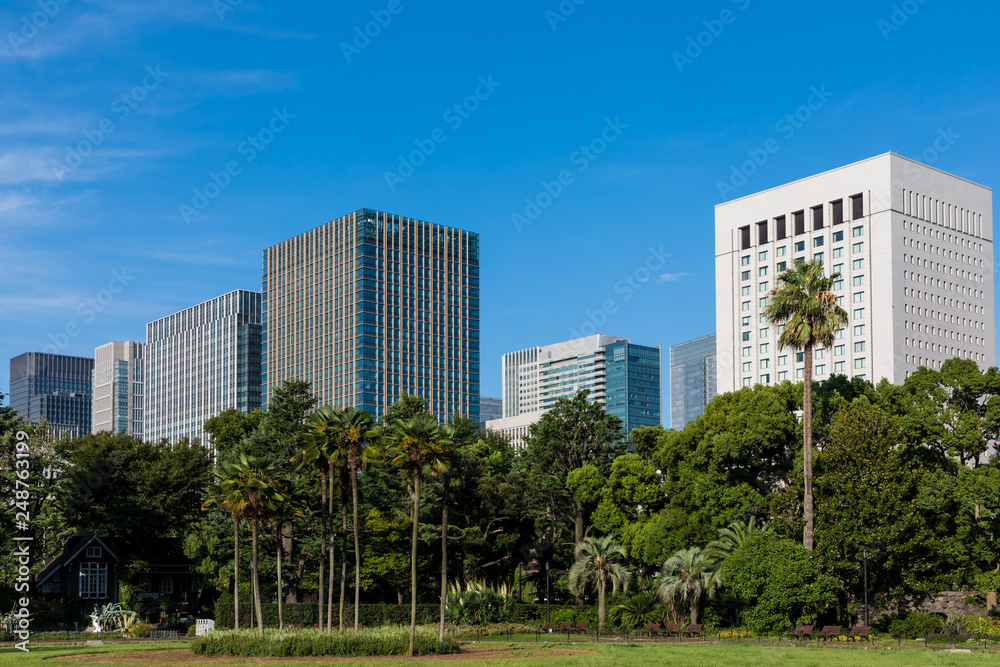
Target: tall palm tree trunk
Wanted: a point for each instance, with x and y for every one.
(357, 546)
(444, 552)
(807, 453)
(256, 580)
(333, 543)
(602, 610)
(413, 562)
(281, 616)
(322, 544)
(343, 559)
(236, 569)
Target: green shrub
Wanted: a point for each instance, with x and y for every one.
(778, 583)
(192, 631)
(914, 625)
(392, 640)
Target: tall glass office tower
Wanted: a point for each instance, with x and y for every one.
(201, 361)
(633, 388)
(372, 305)
(53, 387)
(692, 379)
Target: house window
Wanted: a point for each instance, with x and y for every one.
(746, 321)
(858, 247)
(838, 268)
(747, 366)
(745, 260)
(765, 348)
(779, 228)
(818, 256)
(764, 286)
(780, 252)
(859, 346)
(783, 360)
(744, 237)
(838, 252)
(782, 266)
(818, 241)
(838, 350)
(799, 222)
(859, 281)
(94, 552)
(782, 376)
(859, 363)
(838, 285)
(765, 378)
(745, 305)
(838, 367)
(800, 246)
(746, 290)
(762, 271)
(817, 216)
(764, 333)
(837, 211)
(765, 363)
(859, 330)
(821, 369)
(747, 382)
(859, 313)
(167, 584)
(858, 264)
(762, 256)
(93, 581)
(745, 275)
(858, 231)
(747, 351)
(746, 335)
(859, 297)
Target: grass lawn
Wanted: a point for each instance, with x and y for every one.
(626, 655)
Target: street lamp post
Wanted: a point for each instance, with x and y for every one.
(865, 556)
(547, 590)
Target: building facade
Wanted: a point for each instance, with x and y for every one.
(118, 380)
(914, 249)
(199, 362)
(53, 387)
(373, 305)
(692, 379)
(622, 375)
(489, 409)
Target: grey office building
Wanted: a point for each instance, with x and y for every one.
(199, 362)
(53, 387)
(489, 409)
(118, 383)
(692, 379)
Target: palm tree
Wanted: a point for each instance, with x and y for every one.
(455, 436)
(252, 479)
(804, 304)
(233, 502)
(317, 453)
(292, 509)
(734, 535)
(413, 446)
(352, 427)
(686, 576)
(598, 562)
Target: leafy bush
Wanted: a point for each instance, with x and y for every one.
(913, 626)
(479, 607)
(778, 582)
(192, 631)
(393, 640)
(639, 610)
(141, 630)
(493, 630)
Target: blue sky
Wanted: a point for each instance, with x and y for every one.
(114, 117)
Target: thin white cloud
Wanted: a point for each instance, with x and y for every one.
(672, 277)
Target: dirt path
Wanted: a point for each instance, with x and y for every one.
(183, 656)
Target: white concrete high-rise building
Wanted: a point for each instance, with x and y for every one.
(118, 373)
(201, 361)
(913, 246)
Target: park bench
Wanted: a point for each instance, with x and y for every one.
(581, 627)
(672, 629)
(693, 630)
(548, 628)
(831, 632)
(860, 633)
(653, 629)
(567, 627)
(802, 632)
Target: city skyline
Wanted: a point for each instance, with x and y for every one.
(148, 154)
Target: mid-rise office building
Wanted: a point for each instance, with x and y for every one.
(118, 380)
(373, 305)
(53, 387)
(199, 362)
(489, 409)
(692, 379)
(913, 247)
(622, 375)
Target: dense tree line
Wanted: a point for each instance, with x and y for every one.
(327, 504)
